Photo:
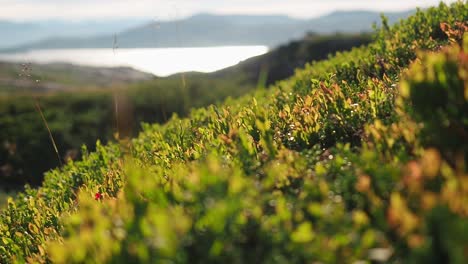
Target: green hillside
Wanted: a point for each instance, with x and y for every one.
(92, 104)
(357, 159)
(281, 62)
(28, 78)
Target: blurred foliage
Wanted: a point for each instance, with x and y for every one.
(84, 116)
(342, 163)
(4, 198)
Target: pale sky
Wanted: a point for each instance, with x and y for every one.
(27, 10)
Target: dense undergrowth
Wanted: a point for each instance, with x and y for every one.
(358, 158)
(83, 116)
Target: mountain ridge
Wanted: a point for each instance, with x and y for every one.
(22, 33)
(216, 30)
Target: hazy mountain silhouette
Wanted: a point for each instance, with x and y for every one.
(216, 30)
(21, 33)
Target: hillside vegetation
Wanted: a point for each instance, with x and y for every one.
(357, 159)
(84, 115)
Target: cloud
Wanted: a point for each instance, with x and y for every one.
(170, 9)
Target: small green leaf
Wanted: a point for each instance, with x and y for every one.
(303, 233)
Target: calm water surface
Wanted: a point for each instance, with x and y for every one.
(160, 61)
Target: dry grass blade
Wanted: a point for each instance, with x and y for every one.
(116, 109)
(38, 108)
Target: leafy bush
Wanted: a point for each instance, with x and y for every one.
(335, 165)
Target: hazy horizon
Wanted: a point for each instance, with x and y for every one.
(89, 10)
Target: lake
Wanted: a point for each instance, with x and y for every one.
(158, 61)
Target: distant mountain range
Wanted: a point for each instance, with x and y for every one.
(21, 33)
(212, 30)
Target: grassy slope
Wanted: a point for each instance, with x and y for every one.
(326, 166)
